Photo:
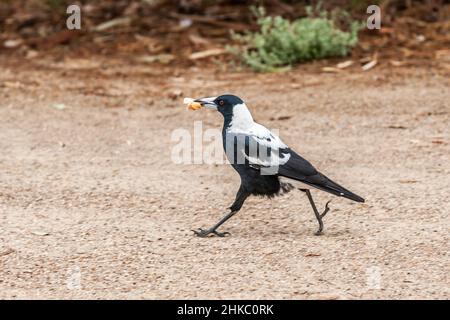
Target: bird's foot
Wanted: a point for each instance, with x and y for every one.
(319, 219)
(202, 233)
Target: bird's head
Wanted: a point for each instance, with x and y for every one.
(225, 104)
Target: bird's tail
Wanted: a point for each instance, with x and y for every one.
(336, 189)
(323, 183)
(301, 170)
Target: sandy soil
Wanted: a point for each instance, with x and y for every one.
(92, 206)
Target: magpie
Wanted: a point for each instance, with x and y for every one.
(261, 158)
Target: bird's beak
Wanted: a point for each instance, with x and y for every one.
(203, 102)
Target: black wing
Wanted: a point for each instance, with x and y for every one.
(300, 169)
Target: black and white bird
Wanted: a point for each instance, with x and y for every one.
(261, 158)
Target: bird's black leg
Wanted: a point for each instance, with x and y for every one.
(319, 216)
(235, 207)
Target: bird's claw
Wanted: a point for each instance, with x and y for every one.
(202, 233)
(221, 234)
(325, 211)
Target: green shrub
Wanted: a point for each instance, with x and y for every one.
(281, 43)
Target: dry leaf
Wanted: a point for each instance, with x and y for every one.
(396, 63)
(12, 43)
(206, 53)
(112, 23)
(407, 52)
(387, 30)
(365, 59)
(197, 40)
(164, 58)
(344, 64)
(31, 54)
(369, 65)
(331, 69)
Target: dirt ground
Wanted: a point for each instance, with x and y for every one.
(92, 206)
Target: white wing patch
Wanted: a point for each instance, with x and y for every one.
(272, 161)
(266, 137)
(264, 146)
(261, 134)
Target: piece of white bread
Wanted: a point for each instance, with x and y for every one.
(188, 100)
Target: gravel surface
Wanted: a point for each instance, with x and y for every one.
(93, 206)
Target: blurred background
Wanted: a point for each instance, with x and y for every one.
(184, 33)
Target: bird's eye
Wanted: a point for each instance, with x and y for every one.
(221, 102)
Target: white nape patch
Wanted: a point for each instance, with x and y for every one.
(242, 119)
